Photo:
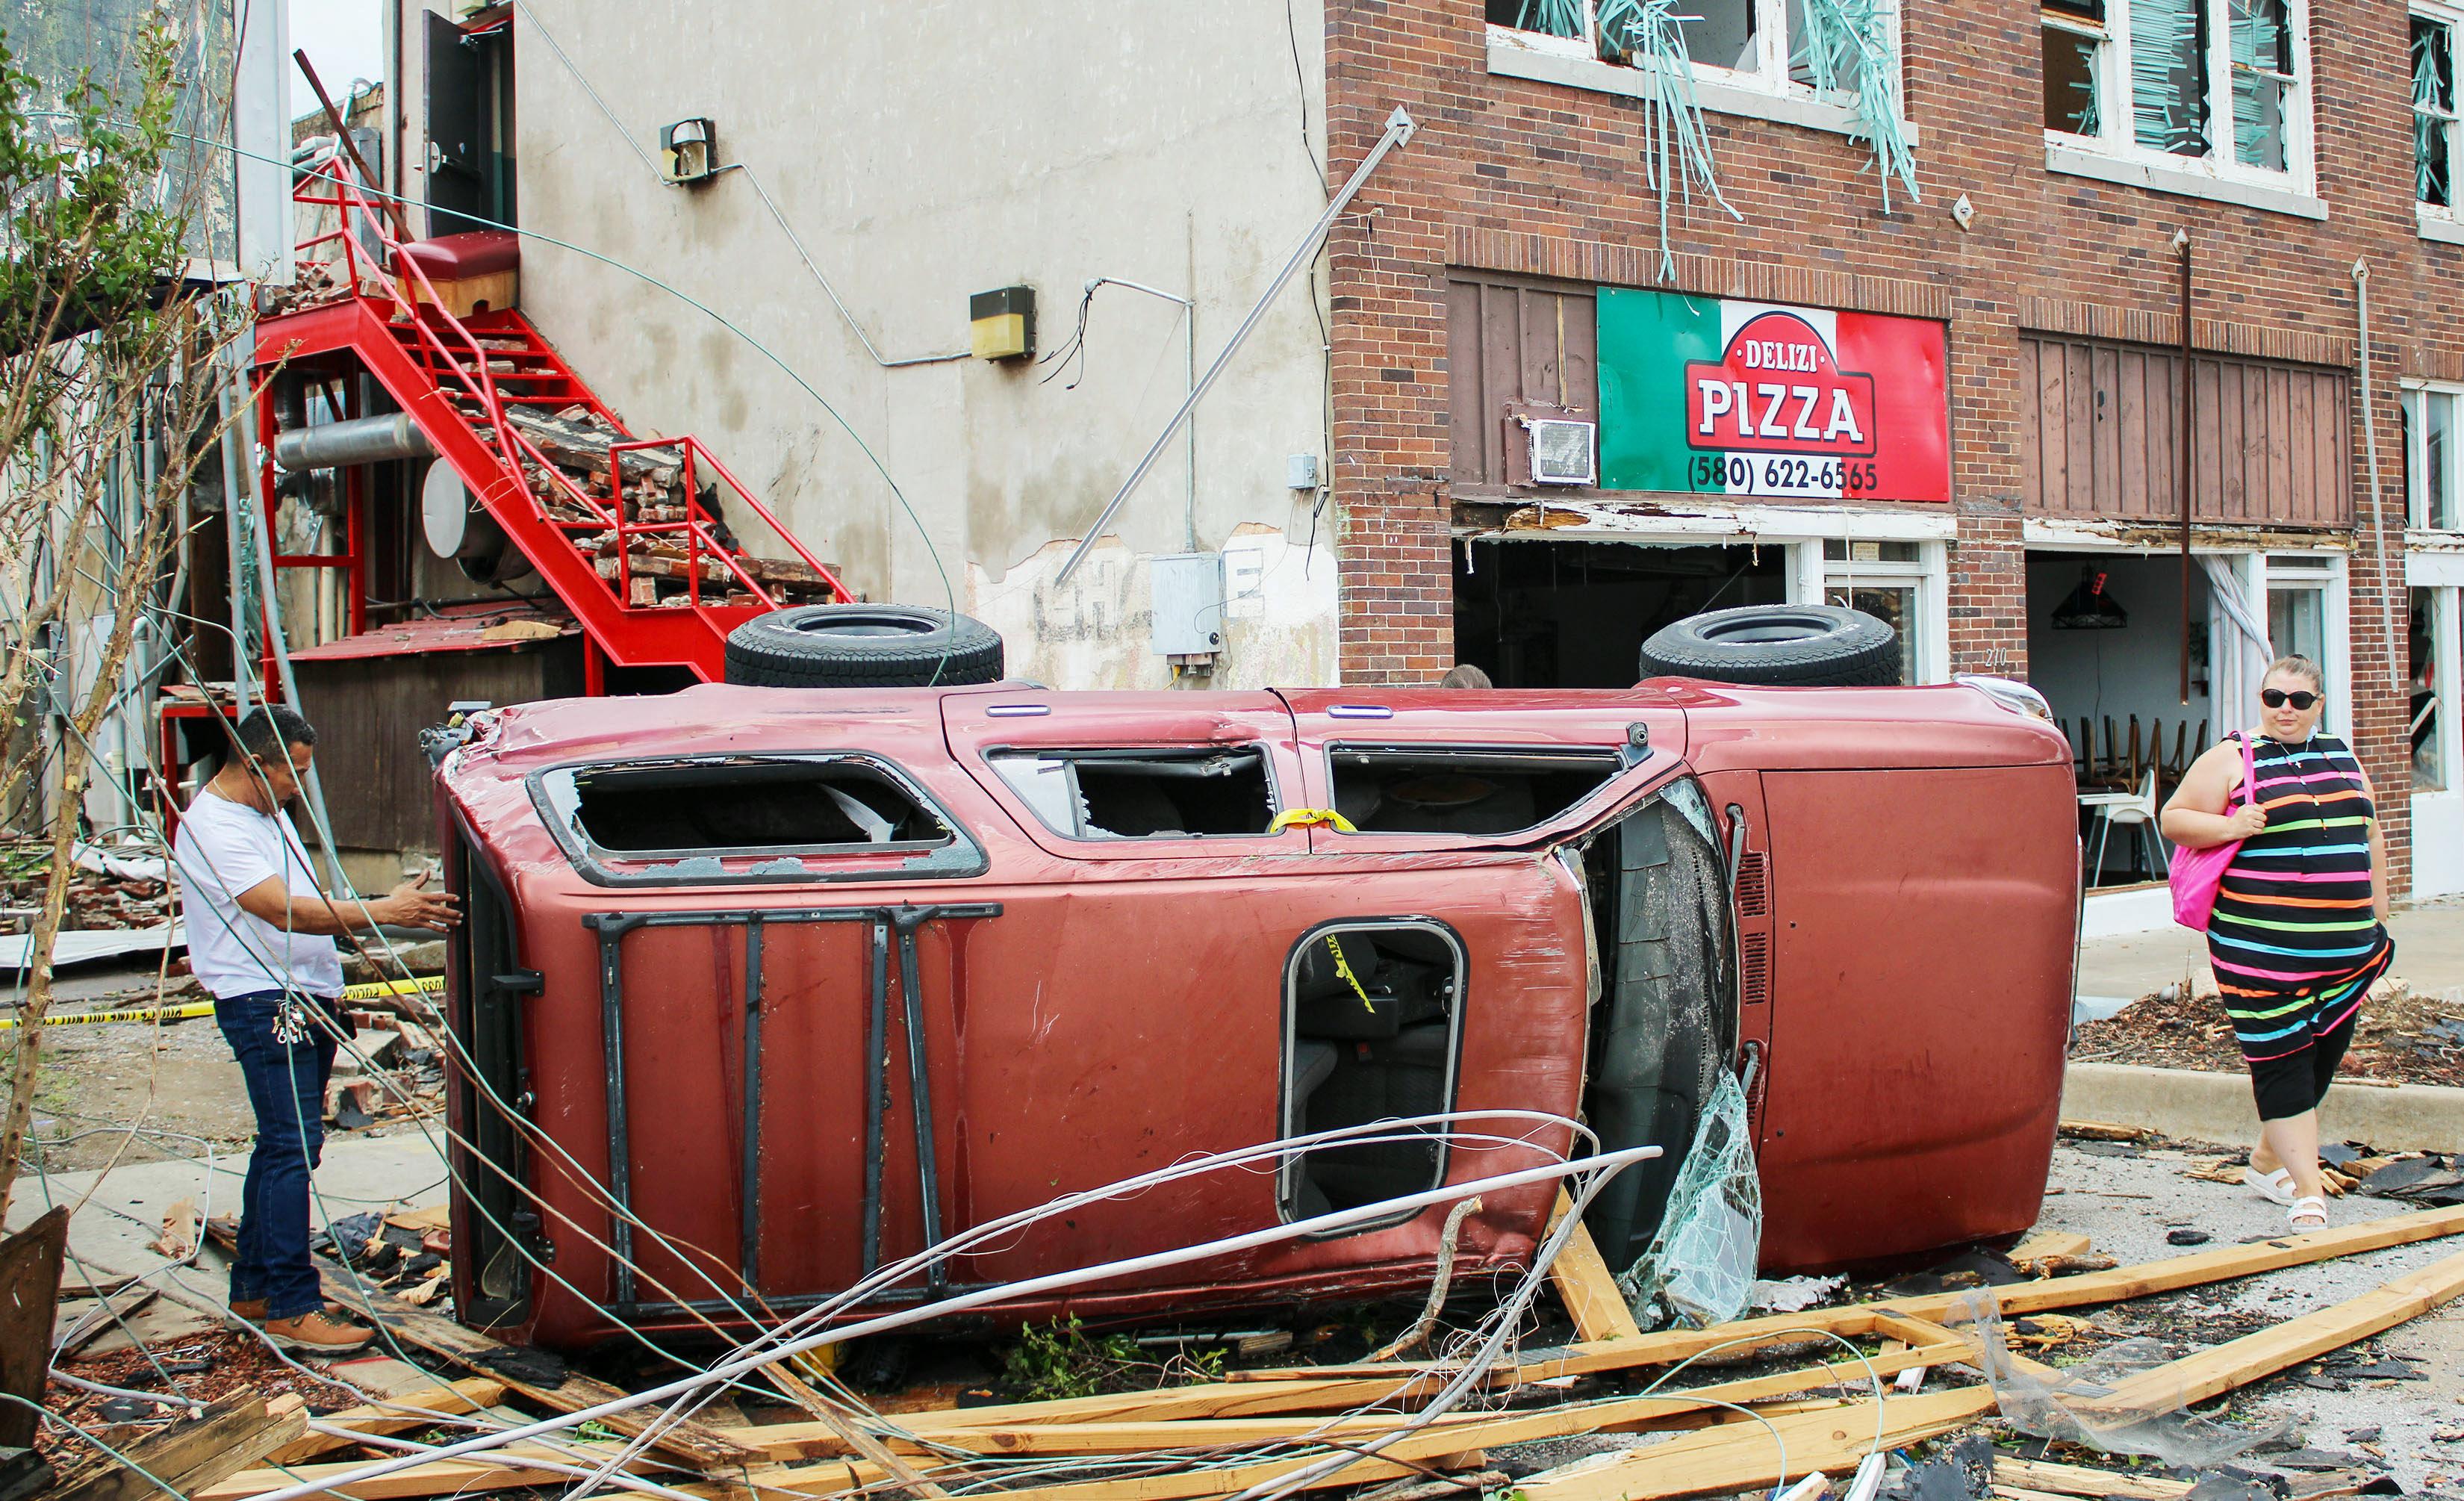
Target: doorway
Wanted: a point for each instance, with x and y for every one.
(2104, 647)
(2436, 722)
(1568, 613)
(470, 118)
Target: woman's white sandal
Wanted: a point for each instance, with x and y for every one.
(2274, 1187)
(2309, 1213)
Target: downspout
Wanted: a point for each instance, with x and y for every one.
(2190, 447)
(2397, 675)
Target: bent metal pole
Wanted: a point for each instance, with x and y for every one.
(1605, 1161)
(1398, 130)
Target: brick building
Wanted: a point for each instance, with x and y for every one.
(2280, 138)
(1986, 434)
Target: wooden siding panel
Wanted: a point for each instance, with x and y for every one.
(1467, 456)
(1512, 340)
(2270, 445)
(2032, 432)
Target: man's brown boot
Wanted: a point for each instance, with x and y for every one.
(249, 1309)
(319, 1333)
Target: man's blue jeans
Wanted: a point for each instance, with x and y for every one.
(286, 1087)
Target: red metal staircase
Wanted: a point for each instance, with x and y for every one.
(614, 544)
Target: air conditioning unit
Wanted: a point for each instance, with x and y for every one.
(1562, 450)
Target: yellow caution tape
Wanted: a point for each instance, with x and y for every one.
(1311, 817)
(417, 985)
(1343, 967)
(168, 1013)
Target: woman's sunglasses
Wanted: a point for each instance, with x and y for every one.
(2277, 698)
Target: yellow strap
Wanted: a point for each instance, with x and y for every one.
(1343, 967)
(1311, 817)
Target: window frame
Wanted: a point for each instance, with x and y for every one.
(559, 805)
(1287, 1177)
(1917, 575)
(1276, 802)
(2416, 454)
(1766, 91)
(2117, 111)
(1620, 759)
(2441, 221)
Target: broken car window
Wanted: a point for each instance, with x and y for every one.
(1468, 790)
(749, 805)
(1143, 794)
(1374, 1010)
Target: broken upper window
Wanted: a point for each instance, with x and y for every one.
(2074, 41)
(1472, 790)
(2223, 82)
(1759, 43)
(744, 806)
(1142, 793)
(2434, 111)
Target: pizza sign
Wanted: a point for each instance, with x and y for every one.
(1706, 395)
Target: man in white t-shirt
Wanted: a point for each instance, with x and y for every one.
(261, 934)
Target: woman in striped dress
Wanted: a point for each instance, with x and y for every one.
(2299, 932)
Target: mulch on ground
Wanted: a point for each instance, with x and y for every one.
(2405, 1038)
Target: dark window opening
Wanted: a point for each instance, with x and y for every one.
(748, 805)
(2071, 59)
(1467, 791)
(1143, 794)
(486, 1018)
(1375, 1011)
(1566, 614)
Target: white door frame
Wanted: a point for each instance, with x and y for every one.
(2438, 817)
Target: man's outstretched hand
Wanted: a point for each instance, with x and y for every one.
(411, 905)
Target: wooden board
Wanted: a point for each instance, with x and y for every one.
(2045, 1295)
(1586, 1286)
(232, 1434)
(2041, 1244)
(2080, 1480)
(467, 1395)
(2238, 1362)
(1738, 1456)
(444, 1477)
(690, 1442)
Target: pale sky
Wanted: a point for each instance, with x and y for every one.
(345, 40)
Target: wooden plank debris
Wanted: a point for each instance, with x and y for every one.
(689, 1442)
(1586, 1286)
(470, 1394)
(2080, 1480)
(1736, 1456)
(228, 1437)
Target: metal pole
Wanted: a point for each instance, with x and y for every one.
(1398, 130)
(2398, 668)
(2190, 447)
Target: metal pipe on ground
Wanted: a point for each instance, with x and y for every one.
(357, 440)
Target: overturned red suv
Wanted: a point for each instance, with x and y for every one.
(808, 980)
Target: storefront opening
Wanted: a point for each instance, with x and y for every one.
(2105, 634)
(1574, 615)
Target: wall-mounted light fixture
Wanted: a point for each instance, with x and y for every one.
(689, 151)
(1001, 323)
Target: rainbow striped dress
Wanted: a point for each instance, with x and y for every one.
(2293, 941)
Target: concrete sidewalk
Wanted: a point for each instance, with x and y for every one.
(2428, 956)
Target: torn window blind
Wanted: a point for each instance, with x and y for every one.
(1551, 17)
(1845, 46)
(2074, 44)
(1650, 36)
(2434, 111)
(2168, 93)
(2261, 37)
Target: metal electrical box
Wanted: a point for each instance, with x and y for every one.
(1188, 598)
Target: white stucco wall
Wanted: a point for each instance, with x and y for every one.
(924, 151)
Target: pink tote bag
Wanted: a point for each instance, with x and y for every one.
(2196, 873)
